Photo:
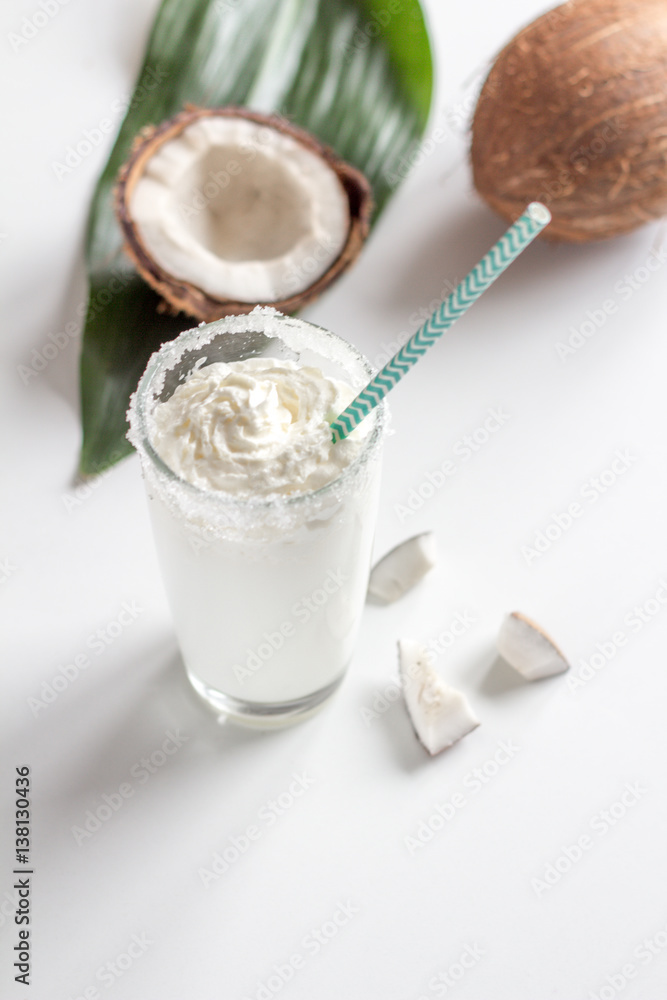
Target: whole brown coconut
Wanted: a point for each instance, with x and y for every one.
(237, 209)
(574, 114)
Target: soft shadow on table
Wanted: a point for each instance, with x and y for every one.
(376, 602)
(501, 679)
(146, 700)
(444, 253)
(395, 728)
(62, 372)
(451, 243)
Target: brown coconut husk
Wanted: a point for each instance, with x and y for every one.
(574, 114)
(182, 296)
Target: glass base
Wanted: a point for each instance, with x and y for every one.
(263, 715)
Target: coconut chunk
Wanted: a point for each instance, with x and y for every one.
(528, 648)
(403, 567)
(440, 714)
(225, 208)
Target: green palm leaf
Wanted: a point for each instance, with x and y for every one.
(355, 73)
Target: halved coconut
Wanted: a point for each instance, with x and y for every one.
(528, 648)
(440, 714)
(224, 208)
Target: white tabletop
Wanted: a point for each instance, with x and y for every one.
(529, 860)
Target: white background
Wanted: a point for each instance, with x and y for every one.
(476, 883)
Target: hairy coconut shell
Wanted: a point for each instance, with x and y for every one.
(574, 114)
(182, 296)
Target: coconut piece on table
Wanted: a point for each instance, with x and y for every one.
(403, 567)
(528, 648)
(440, 714)
(224, 208)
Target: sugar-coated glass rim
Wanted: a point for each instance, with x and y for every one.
(156, 365)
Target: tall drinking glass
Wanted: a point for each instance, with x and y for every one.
(266, 593)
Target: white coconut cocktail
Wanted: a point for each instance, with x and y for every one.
(263, 525)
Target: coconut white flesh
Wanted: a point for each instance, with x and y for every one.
(240, 210)
(403, 567)
(440, 714)
(529, 649)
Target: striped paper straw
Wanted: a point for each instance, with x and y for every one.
(491, 266)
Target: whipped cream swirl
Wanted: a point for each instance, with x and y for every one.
(255, 428)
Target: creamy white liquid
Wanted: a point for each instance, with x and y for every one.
(275, 619)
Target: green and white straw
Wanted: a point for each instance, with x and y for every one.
(490, 267)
